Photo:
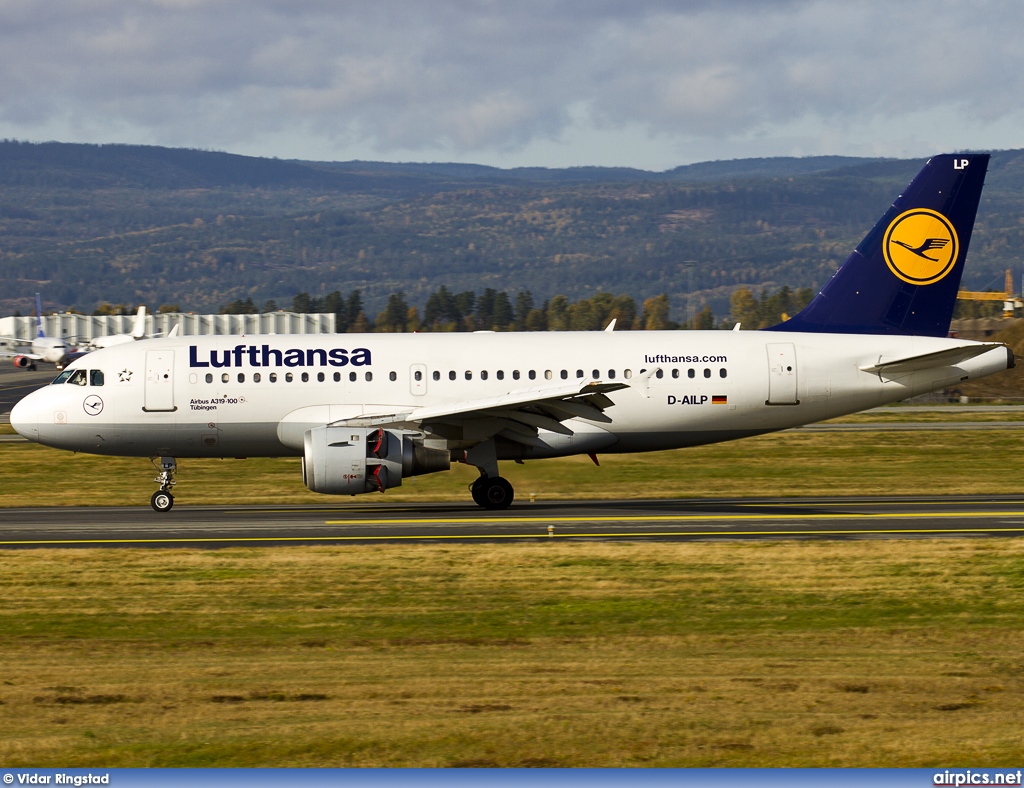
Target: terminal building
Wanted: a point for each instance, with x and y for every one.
(80, 329)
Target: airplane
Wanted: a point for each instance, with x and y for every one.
(52, 350)
(138, 332)
(367, 411)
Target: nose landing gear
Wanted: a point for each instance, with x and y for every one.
(162, 500)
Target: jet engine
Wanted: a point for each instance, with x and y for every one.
(354, 460)
(23, 362)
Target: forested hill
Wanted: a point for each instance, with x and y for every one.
(85, 224)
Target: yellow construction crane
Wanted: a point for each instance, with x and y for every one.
(1010, 301)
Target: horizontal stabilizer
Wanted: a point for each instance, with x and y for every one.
(940, 358)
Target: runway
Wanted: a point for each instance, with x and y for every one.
(686, 519)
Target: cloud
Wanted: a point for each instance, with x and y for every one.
(485, 80)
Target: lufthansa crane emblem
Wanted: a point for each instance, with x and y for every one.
(920, 246)
(93, 405)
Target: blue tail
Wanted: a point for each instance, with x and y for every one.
(39, 317)
(904, 276)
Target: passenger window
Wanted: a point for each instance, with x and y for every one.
(611, 374)
(515, 374)
(288, 377)
(501, 374)
(320, 377)
(256, 377)
(469, 375)
(273, 377)
(547, 374)
(393, 376)
(722, 373)
(224, 378)
(451, 375)
(707, 373)
(659, 374)
(209, 377)
(418, 375)
(483, 374)
(565, 374)
(690, 373)
(337, 377)
(369, 376)
(95, 377)
(579, 373)
(305, 377)
(352, 377)
(78, 377)
(533, 375)
(597, 374)
(675, 373)
(241, 377)
(436, 375)
(628, 374)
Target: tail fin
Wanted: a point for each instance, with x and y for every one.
(39, 318)
(139, 327)
(904, 276)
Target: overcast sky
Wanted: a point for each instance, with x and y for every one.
(641, 83)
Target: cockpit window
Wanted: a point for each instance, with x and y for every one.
(78, 377)
(63, 377)
(95, 377)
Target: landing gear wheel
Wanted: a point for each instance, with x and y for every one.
(495, 493)
(476, 489)
(162, 501)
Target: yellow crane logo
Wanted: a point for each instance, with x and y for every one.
(920, 246)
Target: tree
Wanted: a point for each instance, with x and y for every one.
(557, 314)
(705, 320)
(395, 314)
(655, 316)
(524, 306)
(743, 308)
(504, 316)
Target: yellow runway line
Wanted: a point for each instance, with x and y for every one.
(539, 536)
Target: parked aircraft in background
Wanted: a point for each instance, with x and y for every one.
(366, 411)
(49, 349)
(138, 332)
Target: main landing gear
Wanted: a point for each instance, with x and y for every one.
(162, 500)
(492, 492)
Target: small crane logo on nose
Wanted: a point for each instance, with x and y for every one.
(93, 405)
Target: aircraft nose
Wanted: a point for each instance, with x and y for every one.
(25, 418)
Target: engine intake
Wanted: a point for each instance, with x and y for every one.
(356, 460)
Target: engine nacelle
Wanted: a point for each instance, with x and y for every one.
(355, 460)
(23, 362)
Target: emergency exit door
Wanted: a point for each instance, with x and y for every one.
(159, 381)
(782, 374)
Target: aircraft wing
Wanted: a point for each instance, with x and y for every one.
(942, 358)
(517, 417)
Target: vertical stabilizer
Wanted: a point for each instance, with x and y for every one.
(139, 327)
(39, 318)
(904, 276)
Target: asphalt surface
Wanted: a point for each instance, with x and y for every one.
(676, 520)
(17, 383)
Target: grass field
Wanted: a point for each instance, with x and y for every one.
(790, 463)
(867, 653)
(860, 653)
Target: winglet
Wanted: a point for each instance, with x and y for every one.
(904, 276)
(611, 326)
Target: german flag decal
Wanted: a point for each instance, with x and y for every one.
(718, 399)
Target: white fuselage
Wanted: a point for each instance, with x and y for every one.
(234, 396)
